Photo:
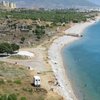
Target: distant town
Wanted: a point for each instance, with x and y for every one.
(6, 5)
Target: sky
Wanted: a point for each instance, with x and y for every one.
(24, 4)
(95, 1)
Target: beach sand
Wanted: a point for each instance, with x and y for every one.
(55, 59)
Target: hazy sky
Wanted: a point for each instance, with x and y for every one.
(96, 1)
(28, 3)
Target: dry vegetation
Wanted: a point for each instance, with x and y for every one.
(11, 31)
(17, 80)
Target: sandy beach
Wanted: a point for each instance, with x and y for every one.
(55, 59)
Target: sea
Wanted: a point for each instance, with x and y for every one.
(82, 64)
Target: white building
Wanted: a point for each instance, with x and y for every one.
(12, 5)
(8, 4)
(4, 3)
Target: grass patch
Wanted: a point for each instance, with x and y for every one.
(17, 81)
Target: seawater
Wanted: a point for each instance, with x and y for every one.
(82, 64)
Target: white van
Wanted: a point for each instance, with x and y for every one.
(36, 81)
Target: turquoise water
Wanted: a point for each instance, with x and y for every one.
(82, 64)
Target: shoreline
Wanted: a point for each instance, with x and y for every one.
(56, 60)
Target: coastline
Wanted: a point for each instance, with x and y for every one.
(56, 61)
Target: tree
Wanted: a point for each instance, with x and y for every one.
(5, 48)
(8, 48)
(15, 47)
(2, 48)
(39, 31)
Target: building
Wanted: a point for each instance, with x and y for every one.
(12, 5)
(3, 3)
(7, 5)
